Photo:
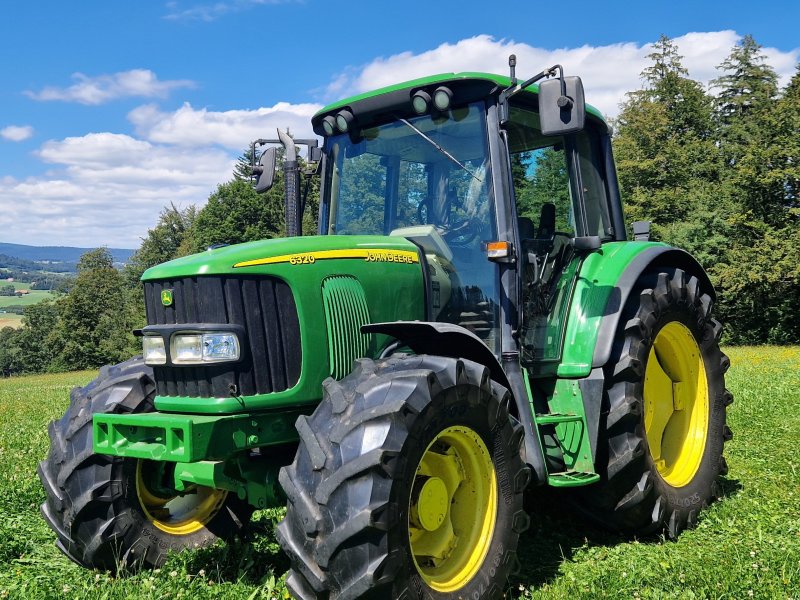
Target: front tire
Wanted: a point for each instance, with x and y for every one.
(408, 483)
(110, 512)
(660, 449)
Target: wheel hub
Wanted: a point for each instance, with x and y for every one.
(452, 509)
(676, 404)
(432, 504)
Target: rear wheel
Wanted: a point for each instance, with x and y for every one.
(110, 512)
(407, 484)
(660, 451)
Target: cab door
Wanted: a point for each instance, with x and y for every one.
(560, 194)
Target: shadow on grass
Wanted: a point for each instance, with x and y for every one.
(250, 560)
(557, 531)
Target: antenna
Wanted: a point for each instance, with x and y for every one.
(512, 64)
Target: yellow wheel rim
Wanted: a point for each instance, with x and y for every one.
(177, 514)
(676, 404)
(453, 508)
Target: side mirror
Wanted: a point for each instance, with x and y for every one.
(266, 169)
(562, 107)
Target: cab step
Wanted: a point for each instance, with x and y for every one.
(572, 479)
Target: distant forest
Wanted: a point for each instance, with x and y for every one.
(715, 169)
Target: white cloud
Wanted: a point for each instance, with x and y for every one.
(16, 133)
(234, 129)
(106, 189)
(608, 72)
(211, 12)
(141, 83)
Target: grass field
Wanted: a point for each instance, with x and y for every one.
(10, 320)
(32, 298)
(747, 545)
(35, 296)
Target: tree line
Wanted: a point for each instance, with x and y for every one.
(716, 170)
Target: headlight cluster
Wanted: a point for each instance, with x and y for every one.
(192, 348)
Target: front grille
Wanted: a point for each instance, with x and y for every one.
(264, 306)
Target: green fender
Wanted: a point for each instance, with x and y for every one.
(604, 283)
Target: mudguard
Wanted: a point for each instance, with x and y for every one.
(604, 284)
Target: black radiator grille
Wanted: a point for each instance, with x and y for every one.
(264, 306)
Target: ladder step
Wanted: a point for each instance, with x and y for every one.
(555, 418)
(572, 479)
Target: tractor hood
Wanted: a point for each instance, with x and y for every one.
(282, 255)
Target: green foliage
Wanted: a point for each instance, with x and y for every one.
(7, 290)
(719, 176)
(165, 241)
(235, 213)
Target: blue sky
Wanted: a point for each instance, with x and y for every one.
(110, 110)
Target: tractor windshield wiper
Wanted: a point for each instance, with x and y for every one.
(439, 148)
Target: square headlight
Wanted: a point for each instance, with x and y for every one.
(220, 346)
(198, 348)
(153, 350)
(187, 348)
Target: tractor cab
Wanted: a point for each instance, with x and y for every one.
(501, 187)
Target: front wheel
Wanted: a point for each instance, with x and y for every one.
(110, 512)
(407, 484)
(660, 450)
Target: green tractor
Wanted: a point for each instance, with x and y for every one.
(471, 322)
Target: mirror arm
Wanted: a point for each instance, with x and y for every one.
(516, 88)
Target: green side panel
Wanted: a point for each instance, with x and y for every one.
(345, 311)
(190, 438)
(594, 287)
(305, 263)
(500, 80)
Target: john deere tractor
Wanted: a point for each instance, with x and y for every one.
(471, 321)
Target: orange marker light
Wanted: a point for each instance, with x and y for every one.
(496, 250)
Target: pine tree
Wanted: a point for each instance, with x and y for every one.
(243, 170)
(664, 145)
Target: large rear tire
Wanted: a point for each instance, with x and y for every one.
(109, 512)
(407, 484)
(661, 442)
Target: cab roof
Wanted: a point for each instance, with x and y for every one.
(500, 80)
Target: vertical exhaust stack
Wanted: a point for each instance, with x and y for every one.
(291, 175)
(264, 174)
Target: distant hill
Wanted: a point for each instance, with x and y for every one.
(57, 254)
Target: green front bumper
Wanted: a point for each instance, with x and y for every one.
(190, 438)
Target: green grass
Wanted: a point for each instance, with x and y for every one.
(26, 300)
(747, 545)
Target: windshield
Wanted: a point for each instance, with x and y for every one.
(426, 178)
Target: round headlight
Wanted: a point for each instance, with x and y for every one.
(442, 98)
(343, 120)
(328, 125)
(420, 102)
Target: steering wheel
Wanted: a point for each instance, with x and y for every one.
(462, 234)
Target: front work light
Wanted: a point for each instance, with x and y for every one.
(442, 98)
(153, 350)
(328, 125)
(420, 102)
(343, 120)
